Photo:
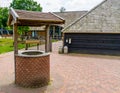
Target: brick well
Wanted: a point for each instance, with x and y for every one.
(32, 71)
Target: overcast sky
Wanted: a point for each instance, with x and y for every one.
(55, 5)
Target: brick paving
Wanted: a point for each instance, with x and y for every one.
(70, 73)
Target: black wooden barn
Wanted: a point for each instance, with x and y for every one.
(107, 43)
(98, 31)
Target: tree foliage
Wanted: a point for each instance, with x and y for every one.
(26, 5)
(21, 5)
(62, 9)
(3, 17)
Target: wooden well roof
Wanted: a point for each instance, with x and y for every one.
(33, 18)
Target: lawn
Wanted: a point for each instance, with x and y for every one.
(6, 45)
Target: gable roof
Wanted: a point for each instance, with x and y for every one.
(70, 16)
(33, 18)
(80, 18)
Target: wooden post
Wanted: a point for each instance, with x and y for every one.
(63, 35)
(37, 46)
(26, 46)
(15, 39)
(47, 39)
(15, 36)
(59, 33)
(50, 44)
(53, 32)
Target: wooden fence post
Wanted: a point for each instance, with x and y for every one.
(47, 39)
(15, 39)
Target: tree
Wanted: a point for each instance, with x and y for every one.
(26, 5)
(3, 17)
(62, 9)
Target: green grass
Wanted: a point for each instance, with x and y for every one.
(6, 45)
(54, 40)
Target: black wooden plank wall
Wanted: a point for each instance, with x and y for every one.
(92, 42)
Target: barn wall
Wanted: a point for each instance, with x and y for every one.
(92, 43)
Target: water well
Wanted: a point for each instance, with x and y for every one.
(32, 68)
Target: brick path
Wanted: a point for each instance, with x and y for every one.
(72, 73)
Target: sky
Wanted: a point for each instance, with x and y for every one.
(55, 5)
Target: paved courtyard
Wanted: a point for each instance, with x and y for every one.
(70, 73)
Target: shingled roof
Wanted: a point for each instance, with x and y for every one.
(70, 16)
(79, 21)
(33, 18)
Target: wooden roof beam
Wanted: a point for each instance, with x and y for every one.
(14, 14)
(9, 20)
(58, 16)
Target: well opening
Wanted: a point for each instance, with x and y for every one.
(32, 53)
